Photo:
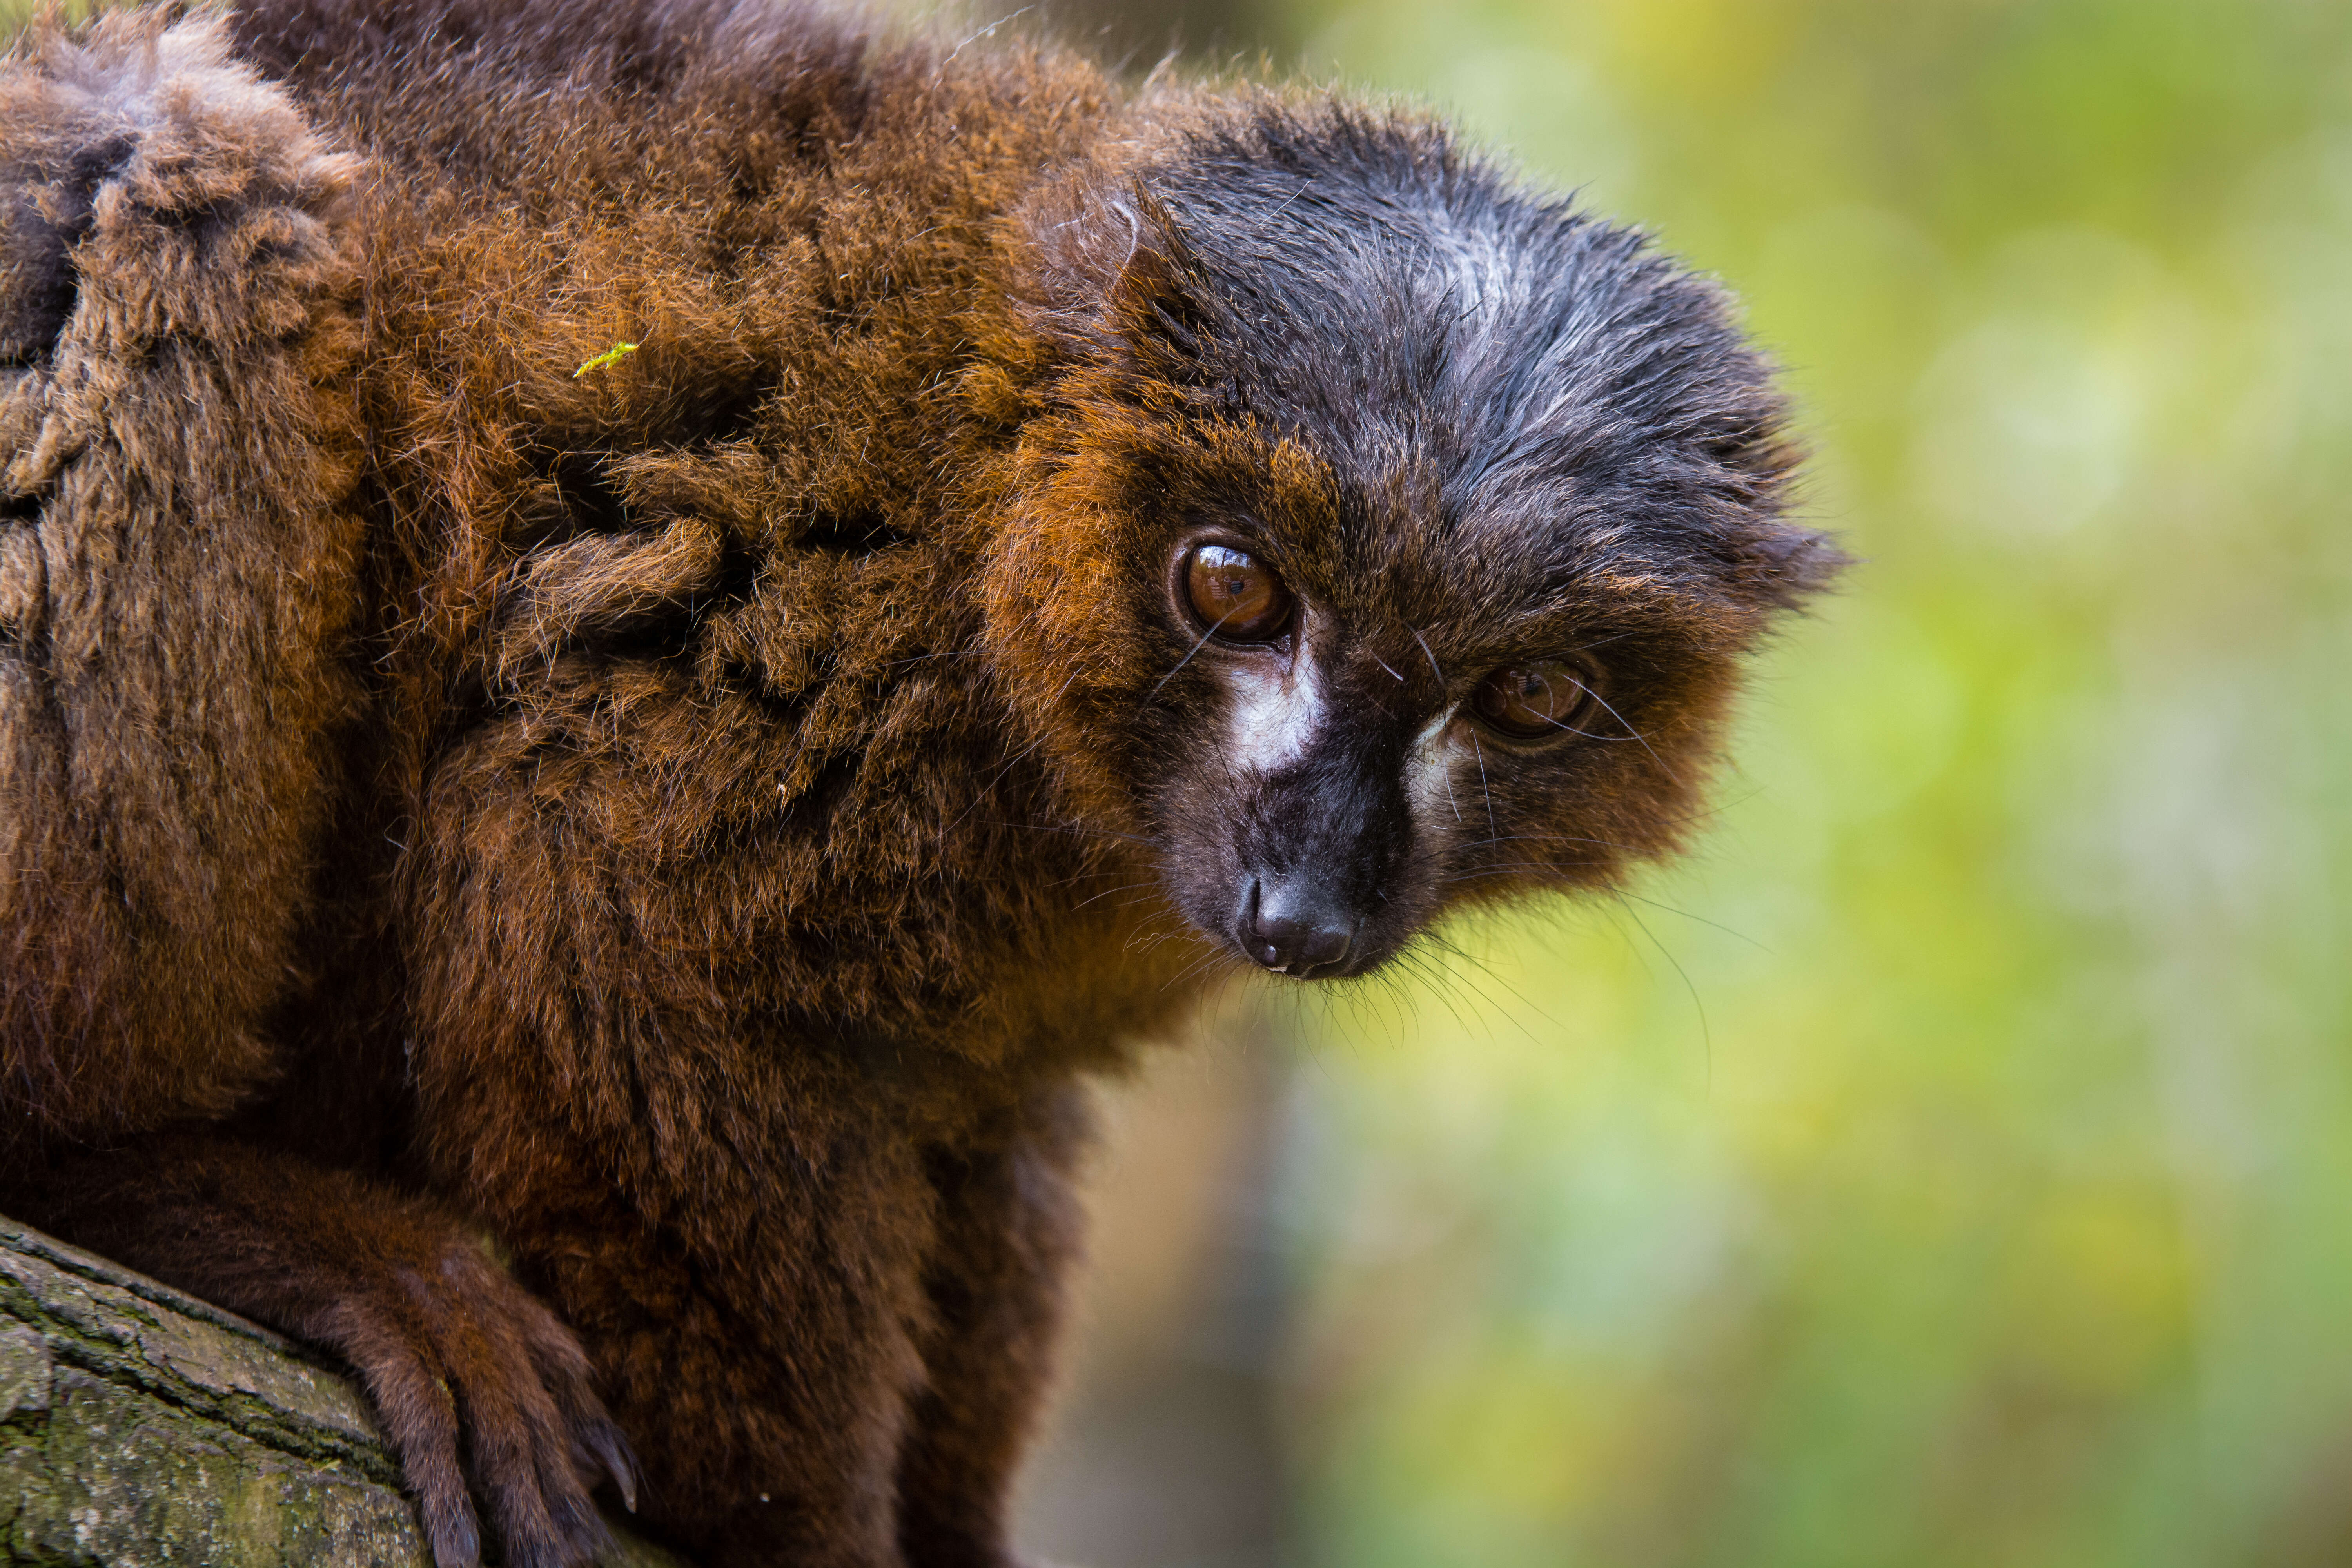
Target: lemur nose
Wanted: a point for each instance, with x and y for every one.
(1289, 928)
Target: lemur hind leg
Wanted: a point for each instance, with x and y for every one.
(471, 1377)
(1008, 1233)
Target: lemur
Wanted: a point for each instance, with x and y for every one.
(633, 633)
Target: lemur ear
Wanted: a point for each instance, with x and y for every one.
(1777, 560)
(1787, 565)
(1104, 275)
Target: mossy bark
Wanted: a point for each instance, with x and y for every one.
(140, 1428)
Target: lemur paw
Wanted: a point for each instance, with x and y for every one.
(478, 1382)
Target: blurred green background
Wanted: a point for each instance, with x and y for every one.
(1953, 1164)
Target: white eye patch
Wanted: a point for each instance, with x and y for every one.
(1274, 714)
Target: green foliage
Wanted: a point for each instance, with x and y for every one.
(1954, 1164)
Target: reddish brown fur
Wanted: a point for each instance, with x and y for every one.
(652, 816)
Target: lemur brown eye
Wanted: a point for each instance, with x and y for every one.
(1547, 697)
(1240, 600)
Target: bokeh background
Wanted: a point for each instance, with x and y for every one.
(1952, 1164)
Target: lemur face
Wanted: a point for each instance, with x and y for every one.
(1416, 529)
(1378, 701)
(1340, 784)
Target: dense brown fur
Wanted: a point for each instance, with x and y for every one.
(682, 818)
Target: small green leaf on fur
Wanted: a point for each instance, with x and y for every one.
(613, 355)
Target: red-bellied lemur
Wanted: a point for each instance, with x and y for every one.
(643, 627)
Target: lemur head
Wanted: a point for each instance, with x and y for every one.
(1388, 537)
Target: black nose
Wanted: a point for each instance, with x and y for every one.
(1289, 928)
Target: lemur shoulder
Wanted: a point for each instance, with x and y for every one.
(643, 629)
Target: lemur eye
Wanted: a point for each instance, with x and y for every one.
(1240, 600)
(1544, 697)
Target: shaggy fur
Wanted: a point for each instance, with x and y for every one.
(694, 819)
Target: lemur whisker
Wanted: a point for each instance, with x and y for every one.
(1434, 664)
(1484, 787)
(1189, 652)
(1106, 892)
(1158, 933)
(1431, 983)
(1550, 839)
(1143, 939)
(1486, 970)
(1587, 734)
(1461, 877)
(1630, 731)
(1706, 1034)
(1208, 957)
(1719, 808)
(1702, 920)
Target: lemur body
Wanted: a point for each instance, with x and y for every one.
(693, 811)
